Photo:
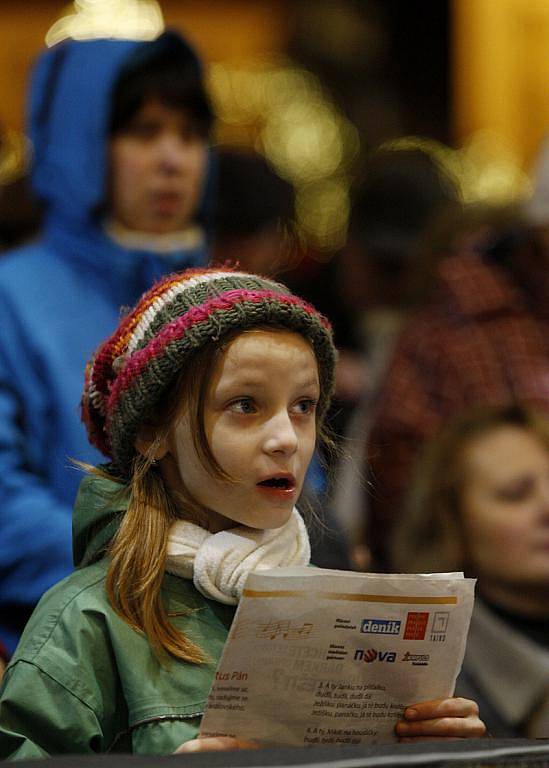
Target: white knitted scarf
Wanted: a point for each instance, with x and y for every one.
(219, 563)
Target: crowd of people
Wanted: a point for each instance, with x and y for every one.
(166, 401)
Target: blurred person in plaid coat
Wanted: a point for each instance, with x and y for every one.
(482, 338)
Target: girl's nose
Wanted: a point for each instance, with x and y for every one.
(281, 436)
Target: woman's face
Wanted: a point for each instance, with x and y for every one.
(505, 509)
(259, 419)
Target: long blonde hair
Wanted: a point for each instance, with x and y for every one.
(430, 535)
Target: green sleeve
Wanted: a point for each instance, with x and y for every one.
(40, 717)
(163, 737)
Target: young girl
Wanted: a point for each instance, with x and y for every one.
(208, 401)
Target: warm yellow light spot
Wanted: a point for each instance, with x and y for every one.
(301, 132)
(491, 171)
(14, 156)
(120, 19)
(485, 168)
(323, 212)
(304, 141)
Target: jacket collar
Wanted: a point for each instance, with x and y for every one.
(124, 273)
(98, 510)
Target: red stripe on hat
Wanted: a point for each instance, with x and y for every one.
(178, 327)
(117, 343)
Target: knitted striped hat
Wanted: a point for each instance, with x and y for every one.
(133, 368)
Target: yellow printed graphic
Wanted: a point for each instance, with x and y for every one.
(283, 630)
(395, 599)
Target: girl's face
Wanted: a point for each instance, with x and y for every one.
(505, 509)
(259, 419)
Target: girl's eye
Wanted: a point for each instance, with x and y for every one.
(243, 405)
(305, 406)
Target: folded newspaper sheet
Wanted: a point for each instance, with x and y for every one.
(333, 657)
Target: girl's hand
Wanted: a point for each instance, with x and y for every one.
(441, 719)
(215, 744)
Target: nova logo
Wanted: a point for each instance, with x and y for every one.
(380, 626)
(372, 655)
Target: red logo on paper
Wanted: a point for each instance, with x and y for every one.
(416, 626)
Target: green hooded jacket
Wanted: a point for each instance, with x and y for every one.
(82, 681)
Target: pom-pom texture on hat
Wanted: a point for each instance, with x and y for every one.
(132, 369)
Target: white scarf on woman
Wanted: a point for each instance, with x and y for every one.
(219, 563)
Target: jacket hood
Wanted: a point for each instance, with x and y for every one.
(69, 113)
(98, 511)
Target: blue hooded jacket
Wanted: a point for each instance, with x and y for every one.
(59, 298)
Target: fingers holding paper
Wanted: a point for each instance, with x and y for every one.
(452, 718)
(215, 744)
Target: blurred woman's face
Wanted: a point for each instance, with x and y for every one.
(505, 511)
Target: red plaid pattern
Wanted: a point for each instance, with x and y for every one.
(478, 342)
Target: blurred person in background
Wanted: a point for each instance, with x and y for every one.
(120, 133)
(482, 338)
(254, 217)
(254, 229)
(479, 502)
(382, 274)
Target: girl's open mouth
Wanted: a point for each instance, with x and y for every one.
(278, 484)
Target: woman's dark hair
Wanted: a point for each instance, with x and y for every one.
(252, 197)
(398, 193)
(166, 70)
(397, 198)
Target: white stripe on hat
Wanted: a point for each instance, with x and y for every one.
(168, 296)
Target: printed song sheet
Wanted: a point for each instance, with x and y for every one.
(333, 657)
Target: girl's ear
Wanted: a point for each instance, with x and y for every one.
(148, 440)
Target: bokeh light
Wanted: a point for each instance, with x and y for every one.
(302, 133)
(322, 209)
(123, 19)
(485, 168)
(15, 152)
(283, 111)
